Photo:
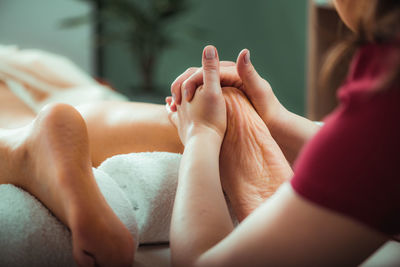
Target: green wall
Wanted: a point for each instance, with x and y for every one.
(273, 30)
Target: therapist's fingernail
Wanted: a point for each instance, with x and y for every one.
(174, 97)
(246, 58)
(185, 94)
(210, 52)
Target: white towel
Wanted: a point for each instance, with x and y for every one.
(149, 181)
(141, 192)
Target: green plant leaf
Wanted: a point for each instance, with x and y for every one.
(75, 21)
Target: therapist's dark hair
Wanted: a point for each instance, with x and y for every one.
(379, 23)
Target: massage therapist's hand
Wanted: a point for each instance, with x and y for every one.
(241, 75)
(206, 113)
(289, 130)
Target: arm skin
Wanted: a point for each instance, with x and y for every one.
(292, 132)
(284, 231)
(200, 208)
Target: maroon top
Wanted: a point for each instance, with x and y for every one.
(351, 165)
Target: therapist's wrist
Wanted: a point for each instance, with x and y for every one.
(276, 117)
(205, 134)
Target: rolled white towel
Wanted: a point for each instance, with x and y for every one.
(149, 181)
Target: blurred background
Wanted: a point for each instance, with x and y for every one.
(140, 46)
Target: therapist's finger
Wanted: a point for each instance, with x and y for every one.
(172, 116)
(176, 85)
(170, 104)
(191, 84)
(168, 100)
(228, 77)
(252, 81)
(211, 69)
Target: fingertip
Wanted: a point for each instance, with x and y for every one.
(210, 65)
(210, 52)
(246, 57)
(173, 107)
(244, 66)
(170, 104)
(243, 59)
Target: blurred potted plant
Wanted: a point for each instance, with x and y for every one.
(142, 25)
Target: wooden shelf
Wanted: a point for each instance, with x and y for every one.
(323, 31)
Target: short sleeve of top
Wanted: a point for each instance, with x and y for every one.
(352, 165)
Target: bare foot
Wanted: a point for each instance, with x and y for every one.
(252, 165)
(50, 159)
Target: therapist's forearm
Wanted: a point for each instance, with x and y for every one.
(292, 132)
(200, 217)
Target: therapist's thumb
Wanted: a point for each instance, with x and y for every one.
(252, 81)
(211, 68)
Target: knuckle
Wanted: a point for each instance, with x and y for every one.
(211, 75)
(185, 84)
(174, 86)
(198, 73)
(191, 70)
(210, 67)
(175, 91)
(210, 63)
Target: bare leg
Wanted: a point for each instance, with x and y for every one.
(13, 112)
(50, 159)
(252, 165)
(113, 127)
(126, 127)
